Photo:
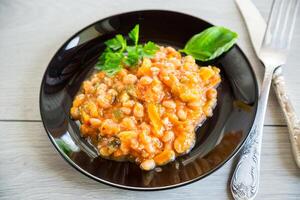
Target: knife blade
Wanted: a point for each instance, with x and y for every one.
(255, 23)
(256, 26)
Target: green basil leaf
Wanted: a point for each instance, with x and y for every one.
(210, 43)
(134, 34)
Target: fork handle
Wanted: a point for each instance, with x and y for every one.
(289, 113)
(245, 179)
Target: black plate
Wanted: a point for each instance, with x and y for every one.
(218, 139)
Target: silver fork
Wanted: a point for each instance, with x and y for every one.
(273, 53)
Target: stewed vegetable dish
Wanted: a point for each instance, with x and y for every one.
(147, 113)
(144, 101)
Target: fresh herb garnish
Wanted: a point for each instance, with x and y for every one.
(205, 46)
(210, 43)
(133, 56)
(110, 62)
(65, 147)
(116, 43)
(118, 114)
(149, 49)
(134, 34)
(118, 54)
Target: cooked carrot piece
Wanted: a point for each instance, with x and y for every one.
(155, 119)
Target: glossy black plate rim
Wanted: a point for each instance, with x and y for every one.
(75, 166)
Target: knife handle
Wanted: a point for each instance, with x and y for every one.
(289, 113)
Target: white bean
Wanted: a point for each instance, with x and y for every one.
(148, 164)
(182, 115)
(138, 110)
(155, 71)
(126, 110)
(146, 80)
(129, 79)
(169, 104)
(168, 136)
(128, 104)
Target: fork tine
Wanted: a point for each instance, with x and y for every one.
(279, 5)
(293, 22)
(279, 32)
(285, 21)
(281, 23)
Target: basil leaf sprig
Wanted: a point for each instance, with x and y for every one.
(210, 43)
(204, 46)
(118, 54)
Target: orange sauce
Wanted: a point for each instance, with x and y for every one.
(147, 113)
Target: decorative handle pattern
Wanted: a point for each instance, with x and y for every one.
(289, 113)
(245, 180)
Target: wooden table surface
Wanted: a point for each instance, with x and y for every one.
(30, 168)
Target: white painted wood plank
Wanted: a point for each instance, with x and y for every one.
(30, 168)
(31, 32)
